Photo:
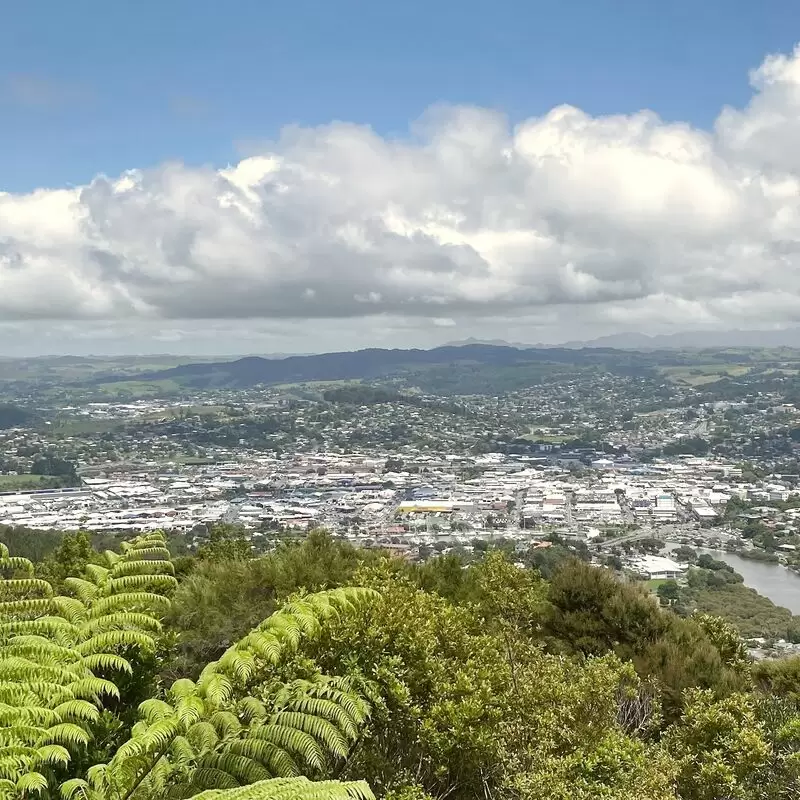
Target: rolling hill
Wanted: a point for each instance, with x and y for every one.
(373, 364)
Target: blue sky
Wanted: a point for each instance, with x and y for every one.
(89, 86)
(340, 224)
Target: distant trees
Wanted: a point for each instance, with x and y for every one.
(362, 395)
(225, 542)
(57, 467)
(229, 590)
(685, 554)
(12, 416)
(690, 445)
(668, 592)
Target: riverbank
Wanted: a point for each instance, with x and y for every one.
(760, 599)
(774, 581)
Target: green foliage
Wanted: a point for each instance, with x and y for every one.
(721, 593)
(595, 755)
(214, 734)
(225, 542)
(685, 554)
(591, 612)
(668, 591)
(51, 465)
(219, 601)
(441, 684)
(69, 559)
(292, 789)
(690, 445)
(779, 677)
(12, 416)
(327, 671)
(720, 747)
(57, 654)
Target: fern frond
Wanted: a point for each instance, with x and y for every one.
(149, 567)
(66, 733)
(81, 710)
(318, 728)
(278, 761)
(139, 582)
(19, 586)
(292, 789)
(84, 590)
(297, 742)
(130, 601)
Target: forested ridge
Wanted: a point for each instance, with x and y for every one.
(321, 671)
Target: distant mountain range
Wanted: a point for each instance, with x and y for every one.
(390, 364)
(466, 367)
(788, 337)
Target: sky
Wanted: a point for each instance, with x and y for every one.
(253, 176)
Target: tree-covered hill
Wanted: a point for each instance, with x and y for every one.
(12, 416)
(378, 363)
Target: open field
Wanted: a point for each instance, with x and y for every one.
(137, 389)
(550, 438)
(13, 483)
(700, 374)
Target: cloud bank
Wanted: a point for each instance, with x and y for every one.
(617, 221)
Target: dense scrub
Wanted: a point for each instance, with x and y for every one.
(320, 671)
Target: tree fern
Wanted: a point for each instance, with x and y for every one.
(55, 655)
(53, 651)
(212, 734)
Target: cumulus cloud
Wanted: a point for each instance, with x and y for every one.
(621, 221)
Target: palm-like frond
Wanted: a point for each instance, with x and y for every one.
(212, 734)
(206, 735)
(292, 789)
(52, 649)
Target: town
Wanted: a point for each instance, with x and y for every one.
(640, 473)
(596, 460)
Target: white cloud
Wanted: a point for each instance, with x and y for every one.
(568, 220)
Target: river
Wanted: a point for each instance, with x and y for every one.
(781, 585)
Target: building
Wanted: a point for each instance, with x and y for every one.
(658, 567)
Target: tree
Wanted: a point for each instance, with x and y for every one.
(221, 599)
(443, 684)
(51, 465)
(668, 592)
(719, 746)
(225, 542)
(70, 558)
(592, 613)
(34, 545)
(592, 757)
(685, 554)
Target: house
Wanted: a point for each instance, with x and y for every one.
(658, 567)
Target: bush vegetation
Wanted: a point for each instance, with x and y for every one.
(321, 671)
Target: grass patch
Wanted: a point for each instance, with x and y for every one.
(700, 374)
(15, 483)
(549, 438)
(138, 389)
